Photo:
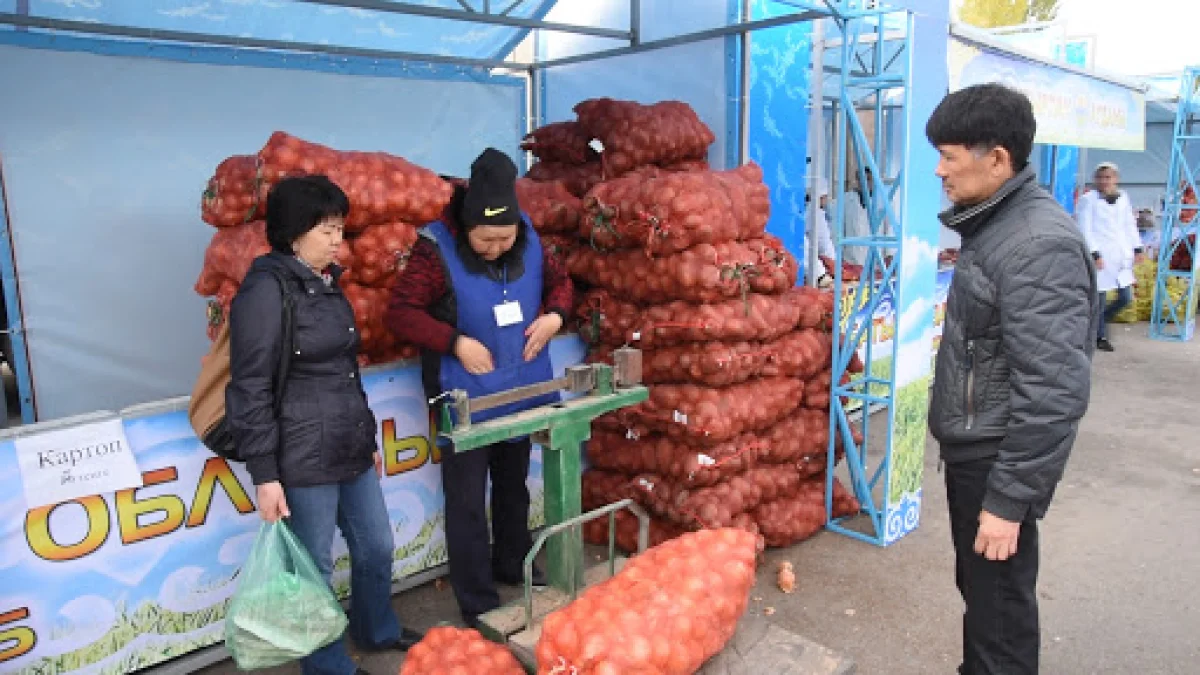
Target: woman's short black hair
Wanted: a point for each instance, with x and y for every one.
(986, 116)
(297, 204)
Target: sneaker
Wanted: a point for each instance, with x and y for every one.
(1104, 345)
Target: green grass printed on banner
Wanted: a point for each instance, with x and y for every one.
(908, 445)
(148, 618)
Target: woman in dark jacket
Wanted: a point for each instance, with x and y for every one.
(312, 460)
(482, 300)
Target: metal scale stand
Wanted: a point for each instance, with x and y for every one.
(560, 429)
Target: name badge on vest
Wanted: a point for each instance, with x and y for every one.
(508, 313)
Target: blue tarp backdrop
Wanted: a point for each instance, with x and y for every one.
(104, 162)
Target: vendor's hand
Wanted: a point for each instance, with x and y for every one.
(473, 355)
(997, 537)
(1099, 263)
(540, 332)
(378, 463)
(272, 505)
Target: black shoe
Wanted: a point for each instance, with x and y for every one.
(1104, 345)
(539, 578)
(407, 639)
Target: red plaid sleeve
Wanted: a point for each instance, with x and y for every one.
(421, 285)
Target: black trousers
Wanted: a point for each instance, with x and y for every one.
(473, 561)
(1000, 625)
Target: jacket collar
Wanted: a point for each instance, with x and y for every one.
(967, 221)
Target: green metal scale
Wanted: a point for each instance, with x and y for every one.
(560, 429)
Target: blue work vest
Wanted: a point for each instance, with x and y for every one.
(477, 296)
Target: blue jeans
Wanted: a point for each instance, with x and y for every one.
(355, 507)
(1124, 297)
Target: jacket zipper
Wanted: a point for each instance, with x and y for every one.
(970, 383)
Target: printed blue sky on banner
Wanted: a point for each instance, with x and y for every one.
(305, 22)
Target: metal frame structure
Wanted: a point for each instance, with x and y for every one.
(866, 80)
(1175, 321)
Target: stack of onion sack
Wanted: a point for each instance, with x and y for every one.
(388, 196)
(737, 358)
(667, 611)
(611, 138)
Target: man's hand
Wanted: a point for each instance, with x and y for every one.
(540, 332)
(997, 537)
(272, 505)
(473, 355)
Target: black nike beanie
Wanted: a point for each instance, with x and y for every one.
(491, 197)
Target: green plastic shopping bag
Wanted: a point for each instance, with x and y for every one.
(282, 609)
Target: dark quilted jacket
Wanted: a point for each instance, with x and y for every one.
(1013, 373)
(324, 433)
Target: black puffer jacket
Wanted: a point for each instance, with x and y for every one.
(1013, 372)
(325, 433)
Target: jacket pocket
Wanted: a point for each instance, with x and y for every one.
(301, 441)
(969, 403)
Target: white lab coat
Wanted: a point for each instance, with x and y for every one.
(1110, 230)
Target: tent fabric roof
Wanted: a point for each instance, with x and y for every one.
(307, 22)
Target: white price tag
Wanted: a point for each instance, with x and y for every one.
(631, 435)
(637, 335)
(680, 418)
(705, 460)
(596, 144)
(508, 313)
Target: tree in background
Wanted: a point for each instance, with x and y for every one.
(997, 13)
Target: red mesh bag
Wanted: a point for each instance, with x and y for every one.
(703, 273)
(687, 165)
(714, 364)
(683, 463)
(381, 252)
(717, 505)
(667, 212)
(209, 282)
(637, 135)
(599, 487)
(370, 305)
(579, 179)
(446, 650)
(550, 206)
(801, 439)
(817, 391)
(382, 188)
(596, 531)
(607, 321)
(558, 245)
(815, 307)
(668, 611)
(564, 142)
(797, 517)
(800, 354)
(235, 194)
(233, 249)
(709, 416)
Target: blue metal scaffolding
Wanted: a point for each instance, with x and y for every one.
(874, 82)
(1174, 319)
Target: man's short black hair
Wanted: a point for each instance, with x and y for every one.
(986, 116)
(298, 204)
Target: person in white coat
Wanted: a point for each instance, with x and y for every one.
(824, 239)
(1107, 221)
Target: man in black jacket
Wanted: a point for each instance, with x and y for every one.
(1013, 372)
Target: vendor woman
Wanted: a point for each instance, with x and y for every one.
(482, 300)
